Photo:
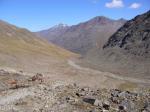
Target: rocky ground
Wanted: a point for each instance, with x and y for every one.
(23, 93)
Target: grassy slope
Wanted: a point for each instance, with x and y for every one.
(21, 49)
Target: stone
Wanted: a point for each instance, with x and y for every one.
(147, 105)
(106, 105)
(98, 103)
(121, 107)
(77, 94)
(85, 89)
(82, 93)
(124, 94)
(89, 100)
(115, 100)
(12, 82)
(37, 77)
(71, 100)
(105, 110)
(127, 105)
(115, 92)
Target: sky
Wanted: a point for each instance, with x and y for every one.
(37, 15)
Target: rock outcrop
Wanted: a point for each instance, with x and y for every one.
(133, 37)
(126, 52)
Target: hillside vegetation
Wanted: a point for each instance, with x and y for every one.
(22, 49)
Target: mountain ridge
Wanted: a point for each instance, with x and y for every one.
(84, 36)
(127, 51)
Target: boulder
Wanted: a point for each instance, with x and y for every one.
(126, 105)
(98, 103)
(89, 100)
(106, 105)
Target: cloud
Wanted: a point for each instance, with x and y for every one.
(135, 5)
(115, 4)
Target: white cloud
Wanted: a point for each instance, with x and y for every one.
(135, 5)
(115, 4)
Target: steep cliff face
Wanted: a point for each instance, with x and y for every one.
(133, 37)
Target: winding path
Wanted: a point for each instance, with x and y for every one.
(108, 74)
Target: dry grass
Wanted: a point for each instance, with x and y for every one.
(128, 86)
(21, 49)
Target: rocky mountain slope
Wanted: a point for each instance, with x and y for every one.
(84, 36)
(53, 32)
(19, 48)
(133, 37)
(127, 52)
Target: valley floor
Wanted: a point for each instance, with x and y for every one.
(108, 74)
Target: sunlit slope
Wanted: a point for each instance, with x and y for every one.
(22, 49)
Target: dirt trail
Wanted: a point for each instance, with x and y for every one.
(107, 74)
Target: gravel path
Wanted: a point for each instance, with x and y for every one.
(76, 66)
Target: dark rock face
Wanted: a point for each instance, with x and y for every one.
(133, 37)
(84, 36)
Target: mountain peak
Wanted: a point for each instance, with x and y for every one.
(101, 19)
(60, 25)
(83, 36)
(122, 19)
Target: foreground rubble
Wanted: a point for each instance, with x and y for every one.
(31, 94)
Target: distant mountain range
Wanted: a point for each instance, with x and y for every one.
(21, 49)
(118, 46)
(84, 36)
